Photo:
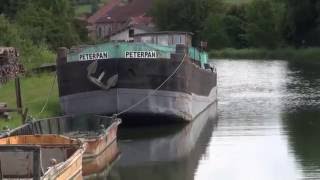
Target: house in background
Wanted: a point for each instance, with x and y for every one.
(119, 20)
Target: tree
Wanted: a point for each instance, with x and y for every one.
(94, 6)
(9, 8)
(49, 22)
(264, 27)
(303, 22)
(234, 22)
(215, 32)
(185, 15)
(31, 55)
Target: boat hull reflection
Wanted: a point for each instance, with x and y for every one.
(168, 154)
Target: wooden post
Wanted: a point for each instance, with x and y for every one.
(36, 164)
(62, 56)
(18, 98)
(1, 175)
(18, 93)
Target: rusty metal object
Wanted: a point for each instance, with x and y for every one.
(30, 156)
(10, 66)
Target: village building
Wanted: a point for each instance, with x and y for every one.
(119, 20)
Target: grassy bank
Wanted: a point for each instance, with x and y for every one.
(34, 93)
(86, 8)
(290, 54)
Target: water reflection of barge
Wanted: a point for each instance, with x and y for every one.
(165, 156)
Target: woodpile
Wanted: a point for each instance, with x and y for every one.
(10, 66)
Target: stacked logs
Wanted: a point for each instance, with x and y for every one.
(10, 66)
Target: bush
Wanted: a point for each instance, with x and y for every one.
(31, 55)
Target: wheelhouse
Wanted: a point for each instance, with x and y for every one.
(165, 38)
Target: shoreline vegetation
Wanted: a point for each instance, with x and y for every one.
(34, 89)
(306, 55)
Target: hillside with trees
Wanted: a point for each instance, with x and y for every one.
(267, 24)
(38, 27)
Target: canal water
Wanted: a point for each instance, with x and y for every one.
(266, 126)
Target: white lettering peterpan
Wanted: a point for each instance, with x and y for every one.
(141, 54)
(93, 56)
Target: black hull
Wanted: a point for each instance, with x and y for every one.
(136, 79)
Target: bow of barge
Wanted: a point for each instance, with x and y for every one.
(160, 75)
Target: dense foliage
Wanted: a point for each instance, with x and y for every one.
(38, 27)
(257, 23)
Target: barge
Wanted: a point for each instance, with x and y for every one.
(159, 76)
(40, 157)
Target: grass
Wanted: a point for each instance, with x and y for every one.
(86, 8)
(34, 91)
(290, 54)
(237, 1)
(83, 9)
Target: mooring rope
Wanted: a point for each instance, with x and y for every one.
(154, 91)
(48, 96)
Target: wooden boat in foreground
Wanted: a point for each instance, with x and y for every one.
(101, 165)
(99, 132)
(41, 157)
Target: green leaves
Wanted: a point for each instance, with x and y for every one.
(49, 22)
(185, 15)
(32, 54)
(264, 23)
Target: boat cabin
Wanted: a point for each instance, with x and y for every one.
(165, 38)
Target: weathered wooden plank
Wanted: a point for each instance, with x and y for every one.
(36, 164)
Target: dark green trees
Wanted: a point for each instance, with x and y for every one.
(257, 23)
(303, 22)
(265, 23)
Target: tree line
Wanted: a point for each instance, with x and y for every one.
(38, 27)
(258, 23)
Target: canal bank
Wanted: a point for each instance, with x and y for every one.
(303, 55)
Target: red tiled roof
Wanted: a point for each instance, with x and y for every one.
(141, 20)
(122, 12)
(102, 11)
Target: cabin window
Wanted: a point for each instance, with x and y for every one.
(131, 32)
(183, 39)
(154, 39)
(176, 39)
(99, 32)
(109, 31)
(163, 40)
(146, 39)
